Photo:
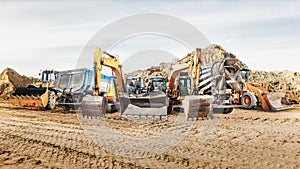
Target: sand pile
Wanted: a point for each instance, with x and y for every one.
(214, 53)
(279, 81)
(10, 80)
(209, 55)
(155, 71)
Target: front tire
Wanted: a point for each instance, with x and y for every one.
(248, 100)
(51, 101)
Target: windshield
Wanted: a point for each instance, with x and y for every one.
(77, 80)
(48, 76)
(245, 75)
(64, 80)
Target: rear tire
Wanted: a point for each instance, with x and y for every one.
(66, 108)
(51, 101)
(169, 109)
(248, 100)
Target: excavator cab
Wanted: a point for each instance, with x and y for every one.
(184, 86)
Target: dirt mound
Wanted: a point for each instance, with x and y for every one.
(287, 82)
(10, 80)
(155, 71)
(209, 55)
(214, 53)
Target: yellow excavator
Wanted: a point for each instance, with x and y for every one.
(139, 105)
(96, 105)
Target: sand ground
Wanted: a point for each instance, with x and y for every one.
(242, 139)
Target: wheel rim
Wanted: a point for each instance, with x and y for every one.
(247, 100)
(52, 102)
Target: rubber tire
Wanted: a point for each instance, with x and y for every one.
(169, 109)
(66, 108)
(51, 100)
(253, 100)
(227, 110)
(218, 111)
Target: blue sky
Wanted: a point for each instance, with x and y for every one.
(36, 35)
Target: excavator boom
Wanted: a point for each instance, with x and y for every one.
(96, 105)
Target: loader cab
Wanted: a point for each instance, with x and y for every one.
(245, 74)
(135, 85)
(157, 85)
(48, 76)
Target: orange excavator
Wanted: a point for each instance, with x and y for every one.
(184, 76)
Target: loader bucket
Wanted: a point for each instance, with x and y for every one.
(144, 107)
(94, 106)
(278, 102)
(30, 97)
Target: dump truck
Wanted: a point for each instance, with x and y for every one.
(230, 88)
(95, 105)
(72, 85)
(39, 95)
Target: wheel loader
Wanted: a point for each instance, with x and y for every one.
(136, 84)
(231, 88)
(39, 95)
(139, 105)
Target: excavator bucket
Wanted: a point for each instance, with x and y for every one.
(278, 102)
(94, 106)
(145, 107)
(30, 97)
(197, 106)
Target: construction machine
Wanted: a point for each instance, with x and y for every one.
(136, 85)
(39, 95)
(231, 88)
(157, 85)
(72, 85)
(184, 76)
(95, 105)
